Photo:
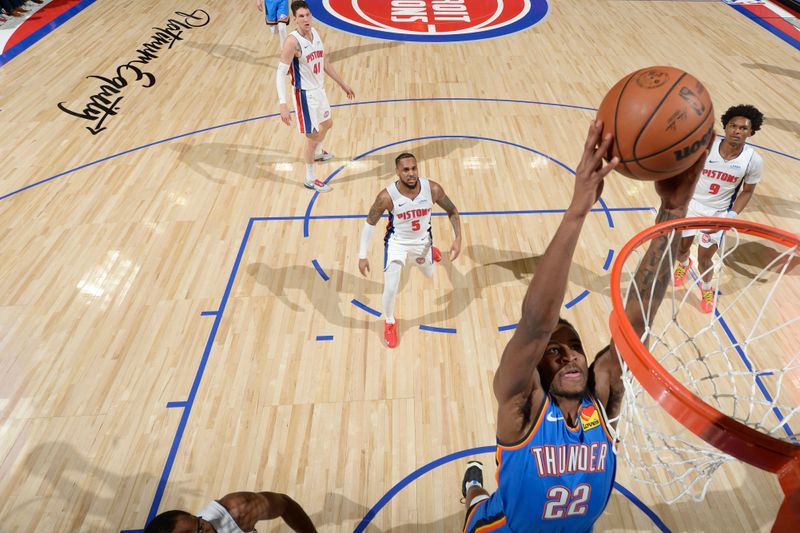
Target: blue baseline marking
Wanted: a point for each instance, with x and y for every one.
(365, 307)
(435, 329)
(508, 327)
(757, 376)
(321, 272)
(272, 115)
(132, 531)
(410, 478)
(162, 483)
(209, 313)
(608, 259)
(181, 403)
(643, 507)
(577, 299)
(770, 28)
(39, 34)
(324, 337)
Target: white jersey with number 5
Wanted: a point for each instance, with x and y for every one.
(721, 180)
(308, 70)
(410, 220)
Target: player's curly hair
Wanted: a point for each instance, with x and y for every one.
(165, 522)
(755, 116)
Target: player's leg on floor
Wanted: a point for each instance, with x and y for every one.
(391, 282)
(282, 33)
(311, 181)
(705, 262)
(472, 484)
(684, 261)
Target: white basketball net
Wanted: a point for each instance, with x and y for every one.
(743, 359)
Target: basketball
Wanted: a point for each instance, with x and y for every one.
(662, 120)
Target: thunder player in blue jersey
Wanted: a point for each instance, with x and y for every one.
(555, 461)
(276, 15)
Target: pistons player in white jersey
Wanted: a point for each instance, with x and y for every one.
(409, 201)
(303, 56)
(726, 185)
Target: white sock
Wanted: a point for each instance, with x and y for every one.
(272, 29)
(473, 483)
(705, 285)
(282, 33)
(685, 262)
(310, 176)
(391, 281)
(318, 150)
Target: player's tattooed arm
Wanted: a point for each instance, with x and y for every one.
(452, 213)
(382, 203)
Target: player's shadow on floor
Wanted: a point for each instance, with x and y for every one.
(337, 55)
(790, 126)
(381, 165)
(214, 160)
(774, 69)
(346, 510)
(329, 298)
(773, 205)
(495, 268)
(69, 479)
(749, 259)
(236, 53)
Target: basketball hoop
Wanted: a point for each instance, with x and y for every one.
(730, 377)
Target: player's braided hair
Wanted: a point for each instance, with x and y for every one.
(755, 116)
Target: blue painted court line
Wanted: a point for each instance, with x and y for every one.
(272, 115)
(324, 337)
(321, 272)
(171, 405)
(608, 259)
(791, 41)
(506, 328)
(413, 476)
(365, 307)
(39, 34)
(757, 376)
(132, 531)
(162, 483)
(435, 329)
(643, 507)
(577, 299)
(209, 313)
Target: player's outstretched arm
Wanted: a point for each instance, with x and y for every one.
(290, 46)
(334, 74)
(443, 201)
(247, 508)
(383, 202)
(654, 272)
(517, 378)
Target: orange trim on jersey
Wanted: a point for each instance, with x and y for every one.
(603, 421)
(492, 527)
(472, 512)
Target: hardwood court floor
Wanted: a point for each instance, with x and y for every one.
(168, 296)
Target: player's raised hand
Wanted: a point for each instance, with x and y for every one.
(363, 266)
(676, 192)
(286, 117)
(591, 171)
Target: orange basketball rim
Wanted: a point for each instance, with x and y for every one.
(719, 430)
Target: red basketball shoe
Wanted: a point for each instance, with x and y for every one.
(390, 334)
(436, 254)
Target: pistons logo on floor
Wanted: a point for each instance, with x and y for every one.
(430, 20)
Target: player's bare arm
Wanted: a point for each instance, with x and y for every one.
(744, 197)
(517, 379)
(334, 74)
(248, 508)
(290, 49)
(383, 203)
(675, 195)
(443, 201)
